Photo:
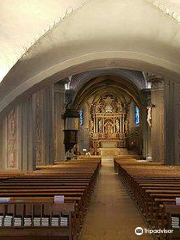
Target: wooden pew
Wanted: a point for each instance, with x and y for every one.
(74, 180)
(39, 208)
(172, 210)
(150, 185)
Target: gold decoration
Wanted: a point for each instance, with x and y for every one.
(108, 121)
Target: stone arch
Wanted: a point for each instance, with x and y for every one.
(91, 38)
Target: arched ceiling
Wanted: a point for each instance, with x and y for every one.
(77, 81)
(106, 83)
(136, 35)
(23, 21)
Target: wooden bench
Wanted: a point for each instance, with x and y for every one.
(42, 209)
(172, 210)
(73, 179)
(150, 185)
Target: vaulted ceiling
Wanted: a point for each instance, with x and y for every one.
(23, 21)
(82, 85)
(107, 83)
(103, 34)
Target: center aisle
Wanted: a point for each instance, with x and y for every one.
(112, 214)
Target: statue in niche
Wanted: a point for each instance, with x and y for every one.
(117, 126)
(109, 109)
(119, 107)
(92, 125)
(126, 125)
(109, 128)
(100, 126)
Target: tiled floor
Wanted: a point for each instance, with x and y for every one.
(112, 215)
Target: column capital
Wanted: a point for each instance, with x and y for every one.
(153, 78)
(146, 92)
(59, 88)
(157, 82)
(71, 113)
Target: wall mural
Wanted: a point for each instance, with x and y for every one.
(109, 124)
(11, 154)
(38, 106)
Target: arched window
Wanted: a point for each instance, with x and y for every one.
(137, 120)
(81, 120)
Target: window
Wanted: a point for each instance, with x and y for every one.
(81, 118)
(136, 115)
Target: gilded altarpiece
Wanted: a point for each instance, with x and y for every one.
(108, 124)
(12, 140)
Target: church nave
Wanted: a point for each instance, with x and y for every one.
(90, 120)
(112, 215)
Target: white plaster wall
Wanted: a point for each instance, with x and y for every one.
(23, 21)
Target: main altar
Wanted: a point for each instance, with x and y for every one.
(109, 123)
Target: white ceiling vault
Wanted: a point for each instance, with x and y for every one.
(23, 21)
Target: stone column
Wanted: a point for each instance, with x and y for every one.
(83, 135)
(157, 128)
(27, 133)
(103, 124)
(16, 143)
(12, 140)
(96, 119)
(120, 123)
(49, 124)
(145, 129)
(94, 122)
(28, 160)
(146, 134)
(172, 123)
(42, 104)
(38, 127)
(59, 109)
(1, 145)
